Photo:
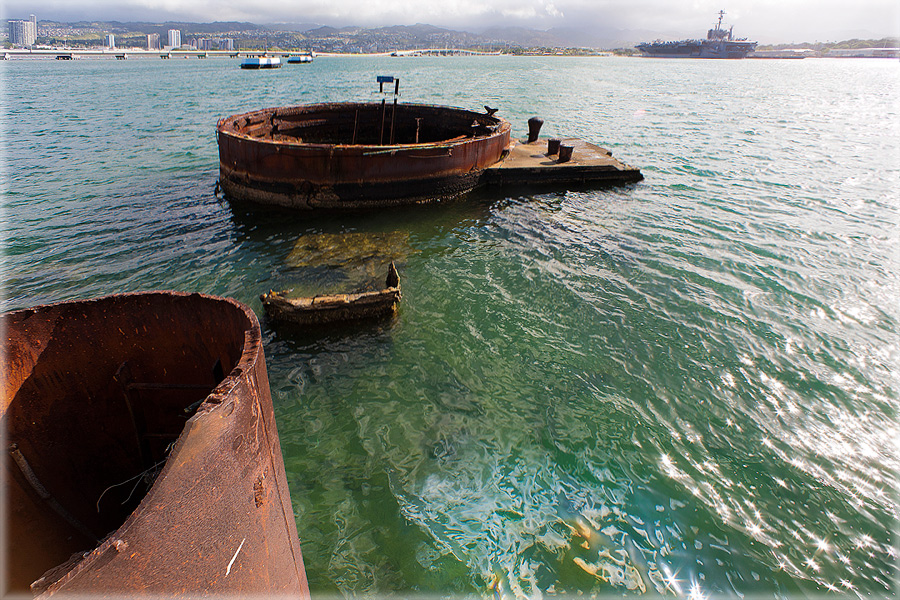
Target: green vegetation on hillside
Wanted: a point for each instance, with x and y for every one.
(888, 42)
(350, 40)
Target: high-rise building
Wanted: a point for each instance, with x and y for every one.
(110, 40)
(23, 33)
(18, 33)
(215, 44)
(175, 38)
(152, 41)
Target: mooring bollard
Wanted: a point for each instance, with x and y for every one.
(534, 128)
(565, 152)
(552, 146)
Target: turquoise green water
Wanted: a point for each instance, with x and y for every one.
(685, 387)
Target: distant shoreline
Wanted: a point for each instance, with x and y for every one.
(140, 53)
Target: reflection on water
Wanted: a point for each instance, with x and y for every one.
(683, 387)
(560, 411)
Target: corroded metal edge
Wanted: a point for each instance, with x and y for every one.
(295, 174)
(242, 187)
(194, 531)
(332, 309)
(335, 308)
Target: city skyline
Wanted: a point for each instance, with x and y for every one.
(787, 21)
(23, 32)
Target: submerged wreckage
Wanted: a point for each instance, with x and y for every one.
(360, 155)
(356, 155)
(143, 457)
(142, 453)
(335, 308)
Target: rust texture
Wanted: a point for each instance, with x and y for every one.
(142, 454)
(337, 308)
(338, 155)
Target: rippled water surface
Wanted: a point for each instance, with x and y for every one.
(685, 387)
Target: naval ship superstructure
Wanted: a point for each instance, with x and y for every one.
(719, 43)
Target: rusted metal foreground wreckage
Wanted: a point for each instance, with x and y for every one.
(142, 452)
(359, 155)
(356, 155)
(335, 308)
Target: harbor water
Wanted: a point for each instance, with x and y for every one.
(686, 386)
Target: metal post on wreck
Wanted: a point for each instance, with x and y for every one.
(383, 79)
(418, 127)
(534, 128)
(394, 109)
(381, 137)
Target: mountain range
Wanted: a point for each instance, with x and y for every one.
(420, 34)
(327, 38)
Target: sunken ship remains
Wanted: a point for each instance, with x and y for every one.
(142, 453)
(356, 155)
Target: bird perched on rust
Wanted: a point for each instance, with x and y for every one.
(490, 111)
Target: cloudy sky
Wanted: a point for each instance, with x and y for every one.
(765, 20)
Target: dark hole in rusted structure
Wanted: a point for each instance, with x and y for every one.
(94, 421)
(97, 396)
(356, 155)
(361, 124)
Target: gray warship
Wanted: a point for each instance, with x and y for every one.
(719, 43)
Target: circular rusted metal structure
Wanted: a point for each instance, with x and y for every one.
(356, 155)
(142, 455)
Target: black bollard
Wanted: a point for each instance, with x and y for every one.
(552, 146)
(565, 152)
(534, 128)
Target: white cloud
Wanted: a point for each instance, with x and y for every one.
(522, 12)
(551, 10)
(783, 20)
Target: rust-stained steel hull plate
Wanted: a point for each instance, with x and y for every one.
(142, 454)
(356, 155)
(337, 308)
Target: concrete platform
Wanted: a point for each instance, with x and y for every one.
(529, 165)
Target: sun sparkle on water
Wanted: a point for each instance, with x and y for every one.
(688, 384)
